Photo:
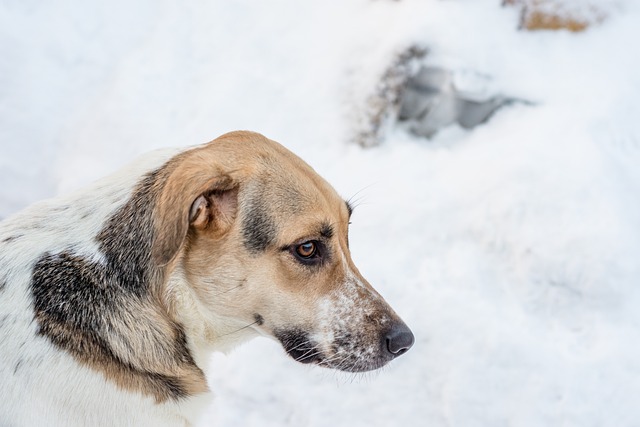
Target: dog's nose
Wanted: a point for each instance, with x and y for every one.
(399, 339)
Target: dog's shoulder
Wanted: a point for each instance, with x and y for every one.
(71, 269)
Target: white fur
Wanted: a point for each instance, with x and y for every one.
(60, 391)
(344, 310)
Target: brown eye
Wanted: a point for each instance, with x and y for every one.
(307, 250)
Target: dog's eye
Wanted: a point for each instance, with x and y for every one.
(307, 250)
(310, 253)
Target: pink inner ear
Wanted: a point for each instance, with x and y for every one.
(198, 210)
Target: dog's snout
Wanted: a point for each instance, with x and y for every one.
(398, 340)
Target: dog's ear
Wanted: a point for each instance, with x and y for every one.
(214, 211)
(192, 202)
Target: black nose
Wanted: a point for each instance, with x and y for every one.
(399, 339)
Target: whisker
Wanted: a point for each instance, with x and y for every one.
(307, 355)
(214, 283)
(238, 330)
(230, 289)
(353, 202)
(301, 345)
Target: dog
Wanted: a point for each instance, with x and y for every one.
(113, 298)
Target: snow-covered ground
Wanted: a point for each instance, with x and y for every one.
(512, 251)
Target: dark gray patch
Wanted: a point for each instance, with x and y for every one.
(11, 238)
(349, 208)
(259, 319)
(75, 299)
(91, 347)
(70, 290)
(127, 236)
(326, 230)
(17, 366)
(298, 345)
(3, 285)
(258, 229)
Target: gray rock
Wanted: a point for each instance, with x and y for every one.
(433, 99)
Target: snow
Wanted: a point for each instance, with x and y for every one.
(510, 250)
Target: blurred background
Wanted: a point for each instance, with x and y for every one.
(492, 151)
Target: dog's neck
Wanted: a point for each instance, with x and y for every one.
(206, 331)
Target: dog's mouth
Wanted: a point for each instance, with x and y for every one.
(299, 346)
(346, 352)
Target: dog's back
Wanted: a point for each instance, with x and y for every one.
(42, 385)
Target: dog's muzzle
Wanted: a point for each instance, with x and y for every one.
(349, 351)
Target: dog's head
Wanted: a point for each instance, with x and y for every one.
(262, 242)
